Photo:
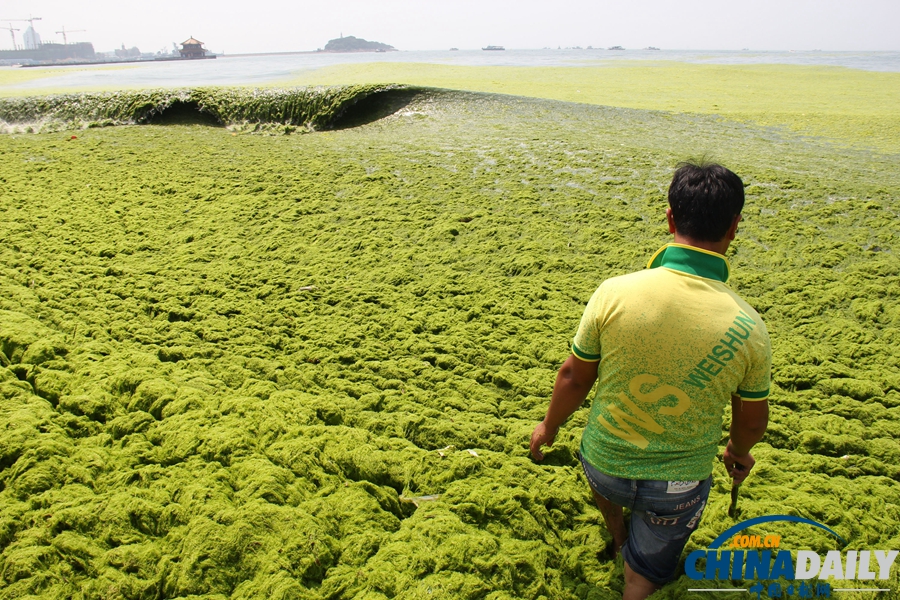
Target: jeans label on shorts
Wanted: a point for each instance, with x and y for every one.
(680, 487)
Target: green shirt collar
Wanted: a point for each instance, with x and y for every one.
(689, 259)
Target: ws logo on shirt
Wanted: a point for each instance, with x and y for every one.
(626, 423)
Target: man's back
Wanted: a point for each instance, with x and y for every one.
(671, 346)
(675, 343)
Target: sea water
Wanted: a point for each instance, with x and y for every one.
(264, 69)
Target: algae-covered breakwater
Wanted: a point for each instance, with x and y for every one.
(240, 108)
(307, 366)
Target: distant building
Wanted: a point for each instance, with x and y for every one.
(192, 48)
(32, 39)
(49, 53)
(123, 52)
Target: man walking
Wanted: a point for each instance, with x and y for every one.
(671, 346)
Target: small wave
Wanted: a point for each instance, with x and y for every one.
(308, 109)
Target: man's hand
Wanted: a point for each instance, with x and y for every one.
(573, 382)
(738, 466)
(748, 424)
(542, 436)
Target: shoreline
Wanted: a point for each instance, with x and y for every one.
(113, 62)
(293, 52)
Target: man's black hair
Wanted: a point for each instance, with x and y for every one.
(705, 198)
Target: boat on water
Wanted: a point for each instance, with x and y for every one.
(493, 48)
(615, 48)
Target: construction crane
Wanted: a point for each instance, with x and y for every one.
(30, 20)
(12, 32)
(63, 32)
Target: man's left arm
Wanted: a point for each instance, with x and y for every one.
(573, 383)
(750, 408)
(748, 425)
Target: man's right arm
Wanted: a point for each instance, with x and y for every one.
(749, 420)
(573, 383)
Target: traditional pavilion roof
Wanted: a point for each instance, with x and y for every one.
(192, 42)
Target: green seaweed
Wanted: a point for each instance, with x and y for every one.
(310, 108)
(233, 366)
(850, 106)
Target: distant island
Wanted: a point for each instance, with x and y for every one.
(355, 44)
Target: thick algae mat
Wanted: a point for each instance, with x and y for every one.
(241, 109)
(307, 366)
(850, 106)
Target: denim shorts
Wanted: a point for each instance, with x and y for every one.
(664, 514)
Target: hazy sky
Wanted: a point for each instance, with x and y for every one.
(233, 26)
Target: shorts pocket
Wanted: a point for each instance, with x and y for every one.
(685, 517)
(676, 515)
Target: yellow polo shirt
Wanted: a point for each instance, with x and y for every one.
(674, 343)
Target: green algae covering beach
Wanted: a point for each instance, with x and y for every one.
(12, 76)
(850, 106)
(241, 109)
(243, 365)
